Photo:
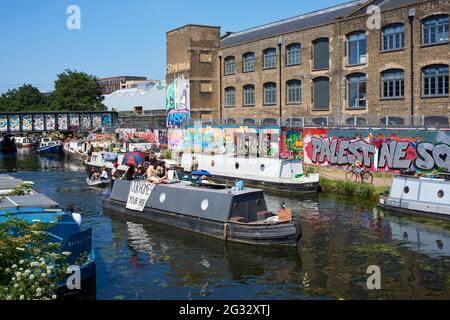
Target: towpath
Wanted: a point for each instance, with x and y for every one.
(379, 179)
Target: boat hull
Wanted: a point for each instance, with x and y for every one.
(284, 233)
(409, 212)
(72, 155)
(88, 285)
(55, 149)
(98, 183)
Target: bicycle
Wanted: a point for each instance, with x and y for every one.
(365, 175)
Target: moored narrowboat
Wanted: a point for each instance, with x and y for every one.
(412, 195)
(213, 210)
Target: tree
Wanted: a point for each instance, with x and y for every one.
(25, 98)
(77, 91)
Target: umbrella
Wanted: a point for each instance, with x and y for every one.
(134, 158)
(201, 173)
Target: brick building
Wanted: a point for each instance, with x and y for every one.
(111, 84)
(336, 66)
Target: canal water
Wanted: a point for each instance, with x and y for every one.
(341, 239)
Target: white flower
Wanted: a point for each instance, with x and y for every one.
(14, 266)
(27, 272)
(20, 249)
(13, 278)
(66, 253)
(7, 270)
(38, 290)
(18, 274)
(38, 294)
(22, 261)
(49, 272)
(43, 275)
(32, 277)
(41, 259)
(42, 263)
(54, 296)
(16, 285)
(22, 297)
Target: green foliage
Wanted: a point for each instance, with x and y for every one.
(77, 91)
(352, 189)
(30, 265)
(25, 98)
(310, 170)
(166, 154)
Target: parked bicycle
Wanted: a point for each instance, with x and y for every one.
(355, 172)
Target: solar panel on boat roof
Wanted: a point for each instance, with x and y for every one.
(28, 201)
(7, 183)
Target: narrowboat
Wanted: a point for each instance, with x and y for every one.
(75, 150)
(272, 174)
(23, 142)
(414, 195)
(64, 227)
(48, 145)
(213, 210)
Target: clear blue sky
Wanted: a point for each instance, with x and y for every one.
(117, 37)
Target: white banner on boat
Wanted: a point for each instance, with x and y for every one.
(139, 194)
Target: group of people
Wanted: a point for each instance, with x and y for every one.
(99, 174)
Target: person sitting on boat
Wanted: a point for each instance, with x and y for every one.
(129, 174)
(194, 166)
(104, 174)
(153, 174)
(114, 173)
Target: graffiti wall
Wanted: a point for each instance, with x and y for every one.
(379, 150)
(27, 122)
(178, 101)
(50, 122)
(14, 123)
(38, 122)
(62, 122)
(3, 123)
(291, 143)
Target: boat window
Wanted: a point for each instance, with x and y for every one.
(406, 190)
(441, 193)
(263, 167)
(212, 163)
(204, 205)
(236, 206)
(259, 202)
(162, 197)
(236, 165)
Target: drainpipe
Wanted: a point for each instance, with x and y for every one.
(280, 42)
(220, 88)
(411, 15)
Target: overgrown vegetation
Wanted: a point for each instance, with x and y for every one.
(30, 265)
(352, 189)
(166, 154)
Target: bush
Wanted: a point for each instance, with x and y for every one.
(30, 265)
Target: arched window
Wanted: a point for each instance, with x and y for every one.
(321, 93)
(270, 58)
(392, 84)
(230, 65)
(270, 122)
(321, 54)
(230, 121)
(436, 121)
(356, 121)
(293, 91)
(356, 91)
(392, 121)
(293, 54)
(357, 47)
(230, 97)
(435, 81)
(270, 93)
(393, 37)
(320, 121)
(249, 122)
(249, 95)
(435, 29)
(248, 62)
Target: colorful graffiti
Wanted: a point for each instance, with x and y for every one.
(85, 121)
(291, 144)
(74, 122)
(106, 119)
(50, 122)
(96, 120)
(38, 122)
(14, 122)
(3, 123)
(178, 101)
(27, 122)
(386, 151)
(62, 122)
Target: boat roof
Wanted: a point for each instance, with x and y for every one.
(28, 201)
(8, 182)
(31, 214)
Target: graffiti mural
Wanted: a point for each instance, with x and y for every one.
(38, 122)
(27, 122)
(3, 123)
(14, 122)
(85, 121)
(106, 119)
(178, 101)
(291, 144)
(162, 137)
(62, 122)
(96, 120)
(387, 150)
(50, 122)
(74, 122)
